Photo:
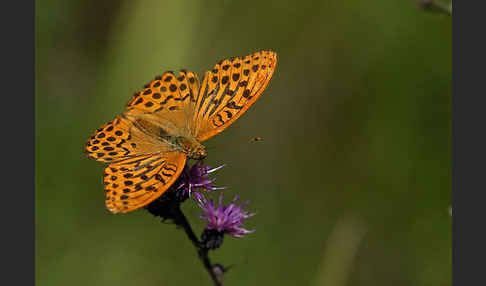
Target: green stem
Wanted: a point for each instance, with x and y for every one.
(436, 6)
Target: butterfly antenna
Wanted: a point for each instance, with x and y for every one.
(255, 139)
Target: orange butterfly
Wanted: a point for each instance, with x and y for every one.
(147, 145)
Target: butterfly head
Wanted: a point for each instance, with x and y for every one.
(192, 148)
(198, 153)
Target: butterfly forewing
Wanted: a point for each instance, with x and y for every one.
(166, 93)
(229, 89)
(133, 183)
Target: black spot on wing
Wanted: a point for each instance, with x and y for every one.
(233, 105)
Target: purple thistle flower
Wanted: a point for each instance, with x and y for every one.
(195, 179)
(226, 219)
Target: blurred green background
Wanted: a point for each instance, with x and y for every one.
(351, 186)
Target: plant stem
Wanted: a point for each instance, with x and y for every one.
(436, 6)
(181, 220)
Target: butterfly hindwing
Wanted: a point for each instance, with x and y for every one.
(120, 139)
(133, 183)
(110, 142)
(229, 89)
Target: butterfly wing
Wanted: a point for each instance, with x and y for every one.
(229, 89)
(142, 164)
(133, 183)
(166, 105)
(120, 139)
(168, 97)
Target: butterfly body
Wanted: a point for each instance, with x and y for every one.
(192, 148)
(147, 145)
(176, 138)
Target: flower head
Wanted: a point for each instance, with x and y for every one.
(195, 179)
(226, 219)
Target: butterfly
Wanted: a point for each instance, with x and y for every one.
(147, 145)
